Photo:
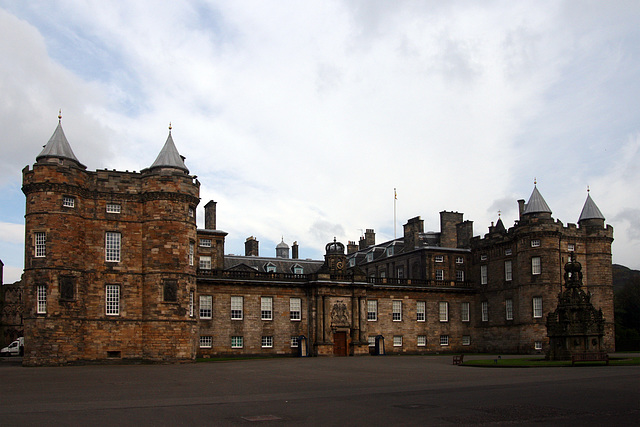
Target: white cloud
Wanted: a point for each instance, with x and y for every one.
(11, 233)
(300, 118)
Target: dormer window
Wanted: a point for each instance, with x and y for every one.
(352, 262)
(270, 267)
(297, 269)
(68, 202)
(390, 251)
(370, 257)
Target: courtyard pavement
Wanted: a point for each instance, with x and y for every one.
(358, 391)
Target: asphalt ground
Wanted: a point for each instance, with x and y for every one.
(368, 390)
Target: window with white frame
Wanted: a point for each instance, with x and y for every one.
(297, 269)
(439, 258)
(537, 307)
(205, 262)
(459, 260)
(535, 265)
(206, 341)
(508, 309)
(68, 202)
(41, 299)
(397, 341)
(112, 246)
(236, 308)
(466, 340)
(507, 252)
(205, 243)
(191, 303)
(537, 345)
(237, 341)
(443, 311)
(267, 341)
(485, 311)
(352, 262)
(372, 341)
(266, 308)
(270, 268)
(206, 306)
(113, 208)
(535, 243)
(40, 240)
(390, 251)
(459, 276)
(444, 339)
(191, 250)
(464, 311)
(191, 212)
(372, 310)
(295, 341)
(112, 300)
(397, 311)
(400, 272)
(439, 274)
(483, 257)
(571, 247)
(422, 340)
(484, 278)
(508, 272)
(295, 309)
(370, 257)
(383, 273)
(421, 311)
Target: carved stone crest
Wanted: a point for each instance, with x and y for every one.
(339, 315)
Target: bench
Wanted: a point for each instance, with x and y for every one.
(599, 356)
(457, 360)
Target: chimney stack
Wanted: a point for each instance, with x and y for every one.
(210, 215)
(251, 247)
(294, 250)
(351, 247)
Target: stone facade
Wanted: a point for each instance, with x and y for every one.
(116, 270)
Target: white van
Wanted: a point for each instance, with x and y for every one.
(13, 349)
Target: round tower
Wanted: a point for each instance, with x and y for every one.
(169, 197)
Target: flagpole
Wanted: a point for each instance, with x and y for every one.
(395, 198)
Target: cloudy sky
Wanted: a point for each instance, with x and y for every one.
(301, 117)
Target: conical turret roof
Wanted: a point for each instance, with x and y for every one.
(536, 203)
(169, 156)
(590, 210)
(58, 146)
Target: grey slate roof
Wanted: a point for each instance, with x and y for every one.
(58, 146)
(283, 265)
(536, 203)
(590, 210)
(169, 157)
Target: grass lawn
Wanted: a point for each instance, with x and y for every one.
(534, 363)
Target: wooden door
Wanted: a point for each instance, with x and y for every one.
(340, 343)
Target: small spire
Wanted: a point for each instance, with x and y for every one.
(588, 189)
(60, 115)
(499, 213)
(170, 127)
(535, 181)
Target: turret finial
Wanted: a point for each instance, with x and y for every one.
(535, 181)
(588, 189)
(59, 115)
(170, 127)
(499, 213)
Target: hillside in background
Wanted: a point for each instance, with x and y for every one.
(626, 297)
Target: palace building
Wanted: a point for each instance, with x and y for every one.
(117, 270)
